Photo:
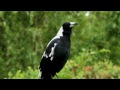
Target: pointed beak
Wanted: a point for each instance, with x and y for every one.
(72, 24)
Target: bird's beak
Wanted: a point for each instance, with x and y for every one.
(72, 24)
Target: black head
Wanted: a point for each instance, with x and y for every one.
(69, 25)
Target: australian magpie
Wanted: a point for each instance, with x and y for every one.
(57, 52)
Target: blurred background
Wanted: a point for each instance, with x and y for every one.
(95, 45)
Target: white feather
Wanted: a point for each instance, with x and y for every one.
(52, 51)
(59, 34)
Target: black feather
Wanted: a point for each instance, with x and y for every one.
(56, 53)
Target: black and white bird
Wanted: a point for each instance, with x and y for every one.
(57, 52)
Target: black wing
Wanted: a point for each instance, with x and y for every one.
(50, 66)
(45, 64)
(61, 55)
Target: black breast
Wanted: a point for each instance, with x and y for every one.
(61, 55)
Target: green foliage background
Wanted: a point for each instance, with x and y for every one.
(95, 43)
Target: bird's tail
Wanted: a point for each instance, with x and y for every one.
(43, 75)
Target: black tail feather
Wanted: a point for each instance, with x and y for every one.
(46, 76)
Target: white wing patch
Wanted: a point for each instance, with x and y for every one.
(51, 54)
(52, 51)
(58, 35)
(45, 55)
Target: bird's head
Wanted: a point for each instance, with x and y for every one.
(69, 25)
(66, 28)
